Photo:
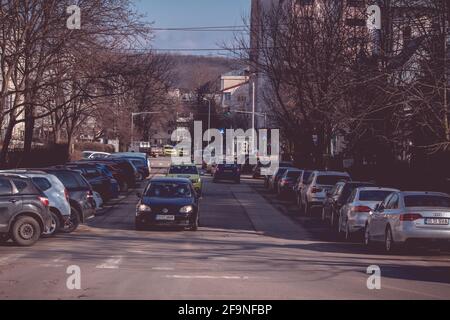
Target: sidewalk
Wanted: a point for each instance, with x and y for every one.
(266, 218)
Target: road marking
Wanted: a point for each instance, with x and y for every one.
(207, 277)
(163, 269)
(9, 259)
(110, 263)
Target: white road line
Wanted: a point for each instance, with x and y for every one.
(112, 263)
(163, 269)
(10, 259)
(207, 277)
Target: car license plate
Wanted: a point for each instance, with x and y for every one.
(165, 218)
(437, 222)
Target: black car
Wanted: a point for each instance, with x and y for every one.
(228, 172)
(287, 182)
(81, 195)
(168, 202)
(337, 197)
(126, 172)
(24, 210)
(99, 182)
(139, 163)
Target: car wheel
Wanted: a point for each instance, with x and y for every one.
(323, 214)
(194, 226)
(73, 222)
(26, 231)
(55, 226)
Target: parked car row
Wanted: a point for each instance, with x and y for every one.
(378, 215)
(45, 201)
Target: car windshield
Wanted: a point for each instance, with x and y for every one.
(168, 190)
(374, 195)
(427, 201)
(331, 180)
(183, 170)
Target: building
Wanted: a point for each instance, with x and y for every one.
(234, 87)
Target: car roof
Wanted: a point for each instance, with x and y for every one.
(13, 175)
(377, 189)
(331, 173)
(171, 180)
(424, 193)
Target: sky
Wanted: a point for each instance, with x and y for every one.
(193, 13)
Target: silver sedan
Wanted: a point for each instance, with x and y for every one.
(409, 217)
(355, 213)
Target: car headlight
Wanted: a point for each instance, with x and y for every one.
(143, 208)
(186, 209)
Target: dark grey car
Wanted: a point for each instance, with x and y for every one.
(24, 210)
(81, 196)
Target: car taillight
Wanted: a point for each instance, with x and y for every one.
(44, 201)
(90, 194)
(410, 217)
(316, 190)
(361, 209)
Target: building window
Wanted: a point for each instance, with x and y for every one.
(227, 96)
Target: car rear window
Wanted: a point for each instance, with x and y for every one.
(42, 183)
(183, 170)
(330, 180)
(294, 174)
(427, 201)
(281, 171)
(20, 185)
(70, 180)
(374, 195)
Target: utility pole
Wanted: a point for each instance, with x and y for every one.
(253, 115)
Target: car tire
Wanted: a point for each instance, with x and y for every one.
(75, 217)
(26, 231)
(194, 226)
(389, 245)
(367, 242)
(56, 226)
(323, 214)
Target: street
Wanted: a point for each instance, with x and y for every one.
(246, 248)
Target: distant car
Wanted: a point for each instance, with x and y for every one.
(337, 197)
(168, 202)
(273, 180)
(287, 182)
(82, 205)
(355, 212)
(300, 184)
(94, 155)
(56, 193)
(156, 151)
(257, 170)
(227, 172)
(24, 210)
(410, 218)
(169, 151)
(140, 155)
(318, 184)
(188, 172)
(268, 179)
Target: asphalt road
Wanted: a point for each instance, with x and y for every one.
(248, 247)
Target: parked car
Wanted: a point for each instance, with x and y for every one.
(139, 160)
(318, 184)
(80, 192)
(94, 155)
(24, 210)
(257, 170)
(268, 179)
(337, 197)
(98, 200)
(287, 182)
(227, 172)
(273, 180)
(140, 155)
(169, 151)
(56, 193)
(409, 218)
(188, 172)
(355, 212)
(156, 151)
(99, 181)
(300, 184)
(168, 202)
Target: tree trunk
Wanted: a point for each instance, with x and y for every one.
(6, 142)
